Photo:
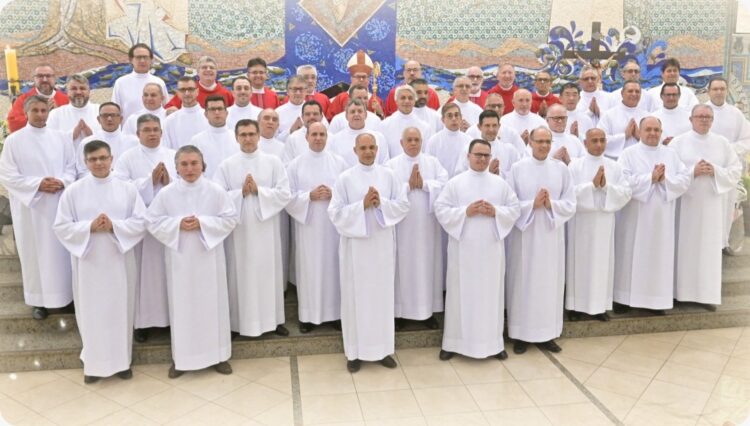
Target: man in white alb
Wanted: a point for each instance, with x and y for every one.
(128, 88)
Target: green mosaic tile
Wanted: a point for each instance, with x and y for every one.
(475, 20)
(225, 21)
(20, 16)
(664, 19)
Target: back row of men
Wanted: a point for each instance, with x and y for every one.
(372, 241)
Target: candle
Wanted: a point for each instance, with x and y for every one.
(11, 71)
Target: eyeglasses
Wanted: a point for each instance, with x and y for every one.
(481, 156)
(475, 77)
(671, 95)
(257, 72)
(186, 89)
(703, 117)
(215, 109)
(543, 80)
(631, 71)
(142, 58)
(494, 106)
(101, 159)
(295, 89)
(453, 115)
(44, 76)
(108, 115)
(412, 69)
(462, 86)
(588, 78)
(562, 118)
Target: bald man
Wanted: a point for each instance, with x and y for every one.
(521, 119)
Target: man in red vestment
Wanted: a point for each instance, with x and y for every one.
(262, 97)
(506, 85)
(44, 85)
(360, 68)
(476, 94)
(412, 71)
(310, 74)
(207, 86)
(543, 97)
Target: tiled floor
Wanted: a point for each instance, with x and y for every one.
(691, 378)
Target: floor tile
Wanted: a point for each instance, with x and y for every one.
(418, 356)
(531, 367)
(619, 382)
(669, 336)
(579, 369)
(733, 387)
(280, 415)
(210, 385)
(168, 405)
(634, 364)
(254, 369)
(15, 383)
(82, 410)
(737, 367)
(473, 371)
(593, 350)
(124, 417)
(691, 377)
(695, 358)
(52, 394)
(499, 396)
(35, 420)
(617, 404)
(645, 414)
(156, 371)
(129, 392)
(733, 333)
(463, 419)
(12, 411)
(709, 342)
(584, 414)
(553, 391)
(252, 400)
(331, 408)
(412, 421)
(210, 414)
(530, 416)
(675, 398)
(429, 376)
(445, 400)
(326, 383)
(388, 404)
(647, 346)
(721, 409)
(324, 362)
(279, 380)
(380, 379)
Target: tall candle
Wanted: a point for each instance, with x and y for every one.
(11, 71)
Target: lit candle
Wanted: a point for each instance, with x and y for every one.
(11, 71)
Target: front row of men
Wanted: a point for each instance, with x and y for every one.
(384, 221)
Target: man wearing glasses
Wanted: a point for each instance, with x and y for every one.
(476, 93)
(128, 88)
(675, 120)
(594, 101)
(44, 86)
(360, 68)
(207, 85)
(621, 122)
(412, 71)
(564, 145)
(542, 98)
(217, 142)
(631, 71)
(189, 120)
(262, 96)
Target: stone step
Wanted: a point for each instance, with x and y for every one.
(59, 348)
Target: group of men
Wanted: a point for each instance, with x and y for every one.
(194, 214)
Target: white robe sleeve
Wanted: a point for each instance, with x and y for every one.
(272, 200)
(742, 144)
(73, 234)
(130, 231)
(222, 177)
(726, 178)
(394, 208)
(447, 211)
(640, 184)
(526, 207)
(216, 228)
(163, 227)
(21, 187)
(676, 183)
(348, 217)
(564, 207)
(585, 200)
(506, 215)
(299, 203)
(618, 194)
(615, 139)
(433, 187)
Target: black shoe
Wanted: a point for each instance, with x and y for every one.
(657, 312)
(125, 375)
(708, 307)
(90, 379)
(602, 317)
(223, 368)
(388, 362)
(336, 325)
(445, 355)
(281, 331)
(520, 347)
(550, 346)
(140, 335)
(235, 334)
(431, 323)
(305, 327)
(502, 355)
(70, 309)
(619, 308)
(39, 313)
(353, 366)
(399, 324)
(574, 316)
(174, 372)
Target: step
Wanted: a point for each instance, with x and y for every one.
(55, 348)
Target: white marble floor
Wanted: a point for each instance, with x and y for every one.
(691, 378)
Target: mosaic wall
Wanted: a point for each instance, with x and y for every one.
(94, 35)
(739, 58)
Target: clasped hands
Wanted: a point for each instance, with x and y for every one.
(102, 223)
(372, 198)
(542, 199)
(480, 207)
